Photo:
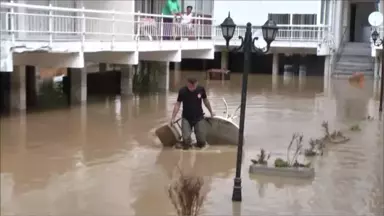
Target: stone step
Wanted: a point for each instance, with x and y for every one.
(355, 66)
(353, 63)
(358, 45)
(356, 52)
(349, 72)
(355, 59)
(353, 69)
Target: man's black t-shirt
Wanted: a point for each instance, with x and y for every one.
(192, 108)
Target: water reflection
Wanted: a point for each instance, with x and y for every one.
(104, 158)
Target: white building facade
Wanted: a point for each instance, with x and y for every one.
(73, 34)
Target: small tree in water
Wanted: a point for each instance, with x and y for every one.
(186, 194)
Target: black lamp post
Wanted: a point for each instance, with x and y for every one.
(269, 30)
(378, 42)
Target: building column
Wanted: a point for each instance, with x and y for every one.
(78, 85)
(338, 23)
(18, 89)
(327, 74)
(327, 66)
(163, 76)
(275, 64)
(224, 60)
(126, 80)
(176, 73)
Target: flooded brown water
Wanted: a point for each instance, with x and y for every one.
(103, 159)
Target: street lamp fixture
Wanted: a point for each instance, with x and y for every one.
(378, 42)
(269, 30)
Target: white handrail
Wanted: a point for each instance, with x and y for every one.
(83, 10)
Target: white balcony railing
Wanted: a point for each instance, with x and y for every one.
(298, 33)
(23, 22)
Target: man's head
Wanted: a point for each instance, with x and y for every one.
(189, 9)
(191, 84)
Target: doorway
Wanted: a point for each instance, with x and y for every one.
(352, 22)
(360, 29)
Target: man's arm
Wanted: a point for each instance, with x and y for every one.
(206, 102)
(208, 105)
(176, 107)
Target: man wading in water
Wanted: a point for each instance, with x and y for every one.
(193, 116)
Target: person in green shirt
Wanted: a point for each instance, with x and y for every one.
(171, 8)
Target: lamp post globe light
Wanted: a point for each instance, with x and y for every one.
(378, 42)
(269, 30)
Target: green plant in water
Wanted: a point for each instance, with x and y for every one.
(311, 151)
(292, 161)
(334, 137)
(355, 128)
(262, 158)
(279, 162)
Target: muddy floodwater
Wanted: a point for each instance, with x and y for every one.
(104, 159)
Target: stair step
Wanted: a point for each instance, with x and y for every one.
(350, 72)
(354, 69)
(353, 63)
(355, 59)
(360, 53)
(362, 45)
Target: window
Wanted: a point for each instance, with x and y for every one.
(304, 19)
(200, 7)
(280, 19)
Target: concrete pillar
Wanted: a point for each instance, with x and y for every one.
(126, 80)
(78, 85)
(163, 76)
(275, 83)
(224, 60)
(327, 66)
(18, 100)
(338, 23)
(176, 73)
(275, 64)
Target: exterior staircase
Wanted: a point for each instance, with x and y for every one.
(354, 57)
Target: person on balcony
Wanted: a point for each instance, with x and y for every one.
(171, 8)
(192, 95)
(187, 21)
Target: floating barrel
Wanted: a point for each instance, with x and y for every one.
(288, 70)
(302, 70)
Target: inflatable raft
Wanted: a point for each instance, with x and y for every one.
(221, 130)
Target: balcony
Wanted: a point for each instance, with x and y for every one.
(100, 35)
(119, 37)
(99, 30)
(288, 36)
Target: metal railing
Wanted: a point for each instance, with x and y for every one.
(26, 22)
(54, 24)
(294, 33)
